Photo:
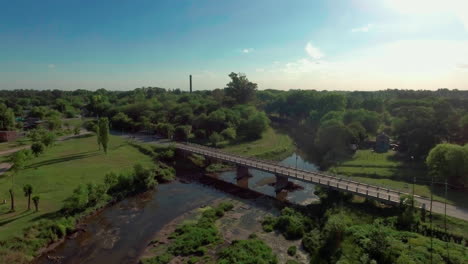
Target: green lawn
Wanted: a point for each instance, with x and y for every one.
(273, 145)
(14, 144)
(385, 169)
(57, 172)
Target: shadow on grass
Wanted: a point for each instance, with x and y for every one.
(50, 216)
(78, 137)
(78, 156)
(16, 217)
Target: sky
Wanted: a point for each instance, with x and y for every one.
(278, 44)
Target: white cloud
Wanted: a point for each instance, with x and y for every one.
(248, 50)
(51, 66)
(260, 70)
(363, 29)
(313, 52)
(406, 64)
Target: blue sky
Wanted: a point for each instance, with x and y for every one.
(310, 44)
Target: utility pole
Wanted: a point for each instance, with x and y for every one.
(190, 77)
(414, 182)
(445, 219)
(432, 233)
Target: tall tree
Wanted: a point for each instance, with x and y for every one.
(28, 189)
(104, 132)
(240, 88)
(98, 135)
(7, 118)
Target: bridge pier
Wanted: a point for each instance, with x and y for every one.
(282, 195)
(242, 176)
(281, 182)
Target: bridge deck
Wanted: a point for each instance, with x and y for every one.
(373, 192)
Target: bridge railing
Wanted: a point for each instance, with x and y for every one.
(275, 167)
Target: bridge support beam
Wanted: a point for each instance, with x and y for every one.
(281, 182)
(242, 176)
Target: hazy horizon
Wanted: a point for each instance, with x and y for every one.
(320, 45)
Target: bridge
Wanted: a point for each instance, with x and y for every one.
(283, 173)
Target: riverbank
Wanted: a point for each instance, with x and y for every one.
(274, 145)
(242, 222)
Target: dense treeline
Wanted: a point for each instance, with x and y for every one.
(336, 123)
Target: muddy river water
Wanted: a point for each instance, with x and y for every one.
(120, 233)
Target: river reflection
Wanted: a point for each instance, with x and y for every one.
(261, 181)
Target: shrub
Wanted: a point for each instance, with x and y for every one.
(292, 251)
(37, 148)
(312, 241)
(250, 251)
(162, 259)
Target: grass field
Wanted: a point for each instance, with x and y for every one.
(385, 169)
(57, 172)
(273, 145)
(14, 144)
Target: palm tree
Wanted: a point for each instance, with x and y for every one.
(36, 202)
(12, 199)
(27, 189)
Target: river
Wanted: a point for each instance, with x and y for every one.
(120, 233)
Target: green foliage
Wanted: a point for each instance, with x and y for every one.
(161, 259)
(36, 200)
(121, 121)
(144, 178)
(192, 239)
(240, 88)
(312, 241)
(182, 132)
(215, 138)
(37, 148)
(333, 141)
(7, 118)
(229, 133)
(250, 251)
(253, 126)
(449, 162)
(78, 201)
(103, 133)
(292, 251)
(290, 223)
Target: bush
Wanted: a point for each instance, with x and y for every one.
(292, 251)
(251, 251)
(37, 148)
(268, 223)
(312, 241)
(229, 133)
(226, 206)
(162, 259)
(192, 239)
(292, 224)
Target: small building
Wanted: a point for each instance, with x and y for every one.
(382, 143)
(6, 136)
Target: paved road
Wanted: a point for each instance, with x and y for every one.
(374, 192)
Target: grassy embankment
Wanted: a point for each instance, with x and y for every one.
(57, 172)
(273, 145)
(386, 169)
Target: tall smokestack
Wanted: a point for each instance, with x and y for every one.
(190, 83)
